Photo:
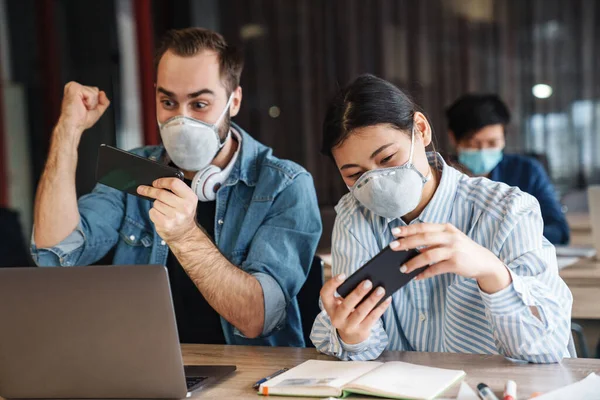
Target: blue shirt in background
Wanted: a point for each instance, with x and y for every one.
(529, 175)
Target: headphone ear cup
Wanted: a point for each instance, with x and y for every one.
(205, 182)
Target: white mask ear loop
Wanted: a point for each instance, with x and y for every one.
(410, 158)
(216, 124)
(412, 144)
(428, 177)
(225, 110)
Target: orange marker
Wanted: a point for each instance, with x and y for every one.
(536, 394)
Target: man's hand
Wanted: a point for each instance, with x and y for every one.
(56, 213)
(233, 293)
(174, 210)
(82, 107)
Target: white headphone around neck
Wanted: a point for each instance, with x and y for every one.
(208, 180)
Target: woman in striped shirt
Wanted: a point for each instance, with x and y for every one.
(493, 284)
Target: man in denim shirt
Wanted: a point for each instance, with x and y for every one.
(237, 239)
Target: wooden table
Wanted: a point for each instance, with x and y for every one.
(254, 363)
(583, 278)
(579, 221)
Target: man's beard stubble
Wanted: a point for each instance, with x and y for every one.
(224, 127)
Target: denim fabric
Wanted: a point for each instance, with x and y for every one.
(267, 223)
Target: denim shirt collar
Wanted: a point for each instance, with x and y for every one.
(245, 168)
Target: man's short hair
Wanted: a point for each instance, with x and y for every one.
(472, 112)
(191, 41)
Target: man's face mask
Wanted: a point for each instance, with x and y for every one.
(480, 162)
(190, 143)
(391, 192)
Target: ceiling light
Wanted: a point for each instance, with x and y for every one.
(542, 91)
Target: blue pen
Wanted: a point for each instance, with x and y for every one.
(263, 380)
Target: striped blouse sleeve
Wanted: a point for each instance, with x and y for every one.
(348, 254)
(531, 318)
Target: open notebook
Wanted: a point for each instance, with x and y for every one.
(394, 380)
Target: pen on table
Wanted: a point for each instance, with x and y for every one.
(510, 391)
(485, 392)
(273, 375)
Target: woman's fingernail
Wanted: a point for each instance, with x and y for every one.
(380, 291)
(341, 277)
(367, 285)
(388, 300)
(403, 269)
(394, 245)
(396, 231)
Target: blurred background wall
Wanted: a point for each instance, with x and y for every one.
(298, 52)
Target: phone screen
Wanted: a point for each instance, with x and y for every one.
(126, 171)
(382, 270)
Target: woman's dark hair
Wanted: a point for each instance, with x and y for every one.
(367, 101)
(472, 112)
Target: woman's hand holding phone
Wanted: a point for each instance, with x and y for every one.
(353, 321)
(448, 250)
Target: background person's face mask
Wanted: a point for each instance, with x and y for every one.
(391, 192)
(190, 143)
(480, 162)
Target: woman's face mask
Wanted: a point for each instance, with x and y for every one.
(391, 192)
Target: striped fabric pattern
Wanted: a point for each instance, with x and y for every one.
(529, 320)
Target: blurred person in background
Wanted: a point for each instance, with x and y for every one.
(476, 126)
(237, 253)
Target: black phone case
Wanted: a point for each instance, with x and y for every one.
(126, 171)
(383, 270)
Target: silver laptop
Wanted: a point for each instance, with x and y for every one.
(93, 332)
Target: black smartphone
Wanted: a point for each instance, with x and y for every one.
(126, 171)
(382, 270)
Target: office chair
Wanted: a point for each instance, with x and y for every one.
(580, 342)
(308, 298)
(13, 249)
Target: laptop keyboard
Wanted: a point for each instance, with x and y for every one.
(192, 381)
